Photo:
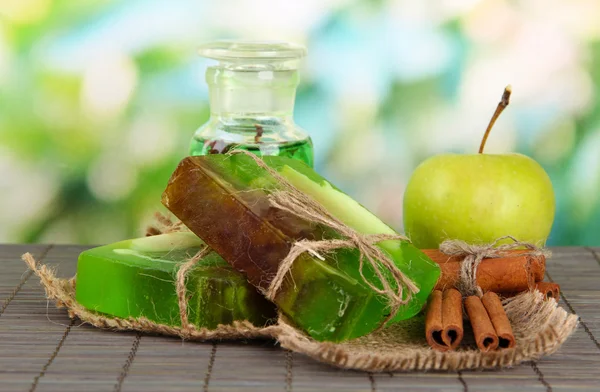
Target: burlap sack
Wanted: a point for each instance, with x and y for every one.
(540, 328)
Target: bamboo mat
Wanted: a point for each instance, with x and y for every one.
(41, 349)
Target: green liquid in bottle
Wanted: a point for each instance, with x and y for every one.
(251, 97)
(301, 150)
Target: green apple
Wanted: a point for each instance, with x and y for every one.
(478, 198)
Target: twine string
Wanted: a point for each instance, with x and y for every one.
(395, 285)
(181, 288)
(473, 255)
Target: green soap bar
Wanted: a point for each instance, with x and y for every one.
(225, 201)
(136, 278)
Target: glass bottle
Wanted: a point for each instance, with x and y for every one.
(252, 91)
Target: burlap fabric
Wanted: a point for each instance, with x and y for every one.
(540, 328)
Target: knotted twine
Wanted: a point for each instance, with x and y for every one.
(396, 287)
(474, 255)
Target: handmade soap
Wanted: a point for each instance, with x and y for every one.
(224, 199)
(136, 278)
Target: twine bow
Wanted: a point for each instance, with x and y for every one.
(395, 286)
(474, 255)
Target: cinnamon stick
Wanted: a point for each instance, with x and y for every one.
(443, 320)
(483, 329)
(452, 318)
(549, 289)
(433, 322)
(514, 273)
(500, 321)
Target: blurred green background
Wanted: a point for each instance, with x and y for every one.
(99, 99)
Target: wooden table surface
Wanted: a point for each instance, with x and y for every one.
(41, 349)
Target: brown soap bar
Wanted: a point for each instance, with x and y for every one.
(226, 200)
(198, 195)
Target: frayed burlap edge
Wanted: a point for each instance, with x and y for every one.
(540, 328)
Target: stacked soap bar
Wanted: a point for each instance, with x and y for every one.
(136, 278)
(225, 201)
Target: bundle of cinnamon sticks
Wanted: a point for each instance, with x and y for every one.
(514, 273)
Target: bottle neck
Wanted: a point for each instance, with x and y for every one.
(248, 93)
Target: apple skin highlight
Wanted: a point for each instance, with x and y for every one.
(478, 198)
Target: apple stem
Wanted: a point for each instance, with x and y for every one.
(501, 106)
